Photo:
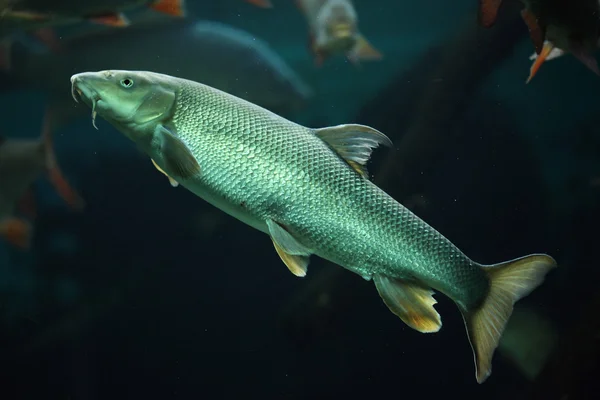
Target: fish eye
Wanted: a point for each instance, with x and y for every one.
(127, 82)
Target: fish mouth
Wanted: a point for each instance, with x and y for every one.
(342, 31)
(81, 91)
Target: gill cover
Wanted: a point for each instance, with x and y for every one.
(127, 97)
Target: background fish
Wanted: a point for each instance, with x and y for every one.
(223, 56)
(32, 15)
(21, 163)
(309, 190)
(572, 27)
(333, 26)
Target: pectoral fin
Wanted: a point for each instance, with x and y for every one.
(172, 181)
(354, 143)
(547, 49)
(411, 302)
(293, 253)
(178, 158)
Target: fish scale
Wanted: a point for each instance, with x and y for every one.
(333, 210)
(308, 189)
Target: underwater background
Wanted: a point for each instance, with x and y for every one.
(150, 292)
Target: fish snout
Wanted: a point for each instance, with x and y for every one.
(82, 86)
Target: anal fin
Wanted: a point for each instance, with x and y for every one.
(294, 255)
(298, 265)
(172, 181)
(412, 303)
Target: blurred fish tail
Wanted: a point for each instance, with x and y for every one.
(510, 281)
(63, 188)
(175, 8)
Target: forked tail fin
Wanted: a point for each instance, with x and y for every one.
(510, 281)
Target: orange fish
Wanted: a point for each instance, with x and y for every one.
(555, 27)
(21, 163)
(39, 17)
(333, 26)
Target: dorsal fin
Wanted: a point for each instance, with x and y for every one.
(354, 143)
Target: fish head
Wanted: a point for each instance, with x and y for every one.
(337, 26)
(132, 101)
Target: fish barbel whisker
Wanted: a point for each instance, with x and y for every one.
(73, 89)
(94, 113)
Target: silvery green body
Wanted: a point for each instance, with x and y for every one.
(256, 166)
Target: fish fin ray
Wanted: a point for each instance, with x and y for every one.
(297, 264)
(294, 254)
(540, 59)
(412, 303)
(172, 181)
(177, 155)
(354, 143)
(510, 281)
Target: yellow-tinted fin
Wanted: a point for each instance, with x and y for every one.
(293, 253)
(172, 181)
(411, 302)
(509, 282)
(363, 50)
(354, 143)
(540, 59)
(297, 265)
(178, 158)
